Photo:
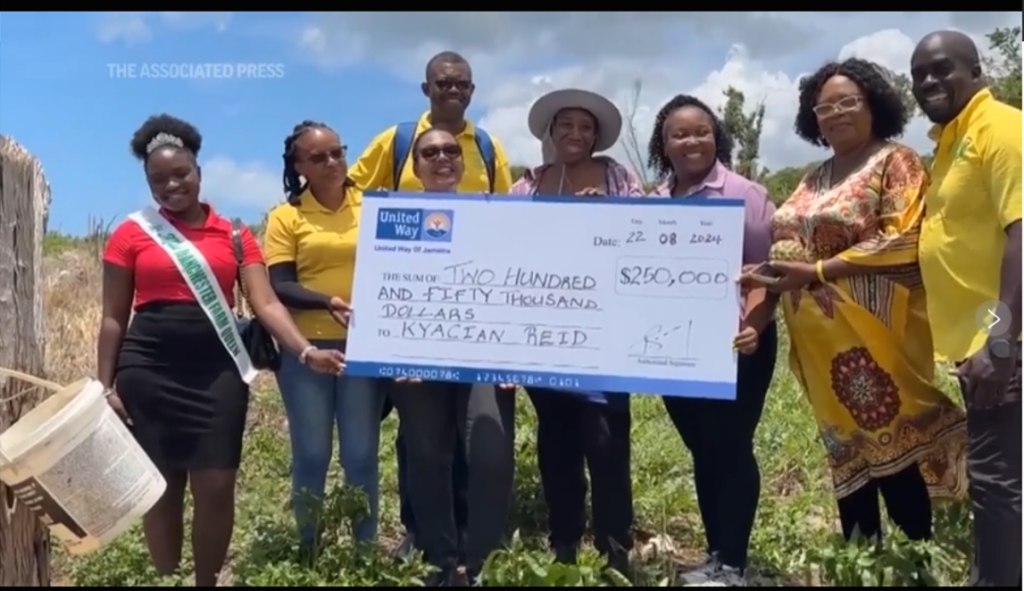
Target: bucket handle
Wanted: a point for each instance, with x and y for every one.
(10, 373)
(9, 507)
(28, 378)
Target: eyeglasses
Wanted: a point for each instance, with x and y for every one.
(452, 151)
(445, 85)
(843, 105)
(337, 154)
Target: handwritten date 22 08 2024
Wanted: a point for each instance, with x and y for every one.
(664, 238)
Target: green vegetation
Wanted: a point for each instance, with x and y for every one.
(795, 542)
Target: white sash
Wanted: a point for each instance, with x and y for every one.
(201, 281)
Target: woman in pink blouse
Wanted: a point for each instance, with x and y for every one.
(690, 148)
(575, 429)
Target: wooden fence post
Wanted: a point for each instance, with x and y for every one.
(24, 205)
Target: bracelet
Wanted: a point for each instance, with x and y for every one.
(819, 268)
(108, 392)
(304, 355)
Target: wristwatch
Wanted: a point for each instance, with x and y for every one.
(1003, 348)
(304, 355)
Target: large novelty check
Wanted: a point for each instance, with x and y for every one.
(601, 294)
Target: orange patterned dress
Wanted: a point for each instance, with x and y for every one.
(861, 347)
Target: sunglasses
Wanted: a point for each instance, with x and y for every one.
(337, 154)
(446, 85)
(452, 151)
(843, 105)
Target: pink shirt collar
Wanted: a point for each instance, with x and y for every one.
(715, 180)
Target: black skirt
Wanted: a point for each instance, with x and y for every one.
(181, 389)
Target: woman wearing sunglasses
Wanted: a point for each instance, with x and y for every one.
(310, 247)
(435, 415)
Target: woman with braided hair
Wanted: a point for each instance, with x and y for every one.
(310, 246)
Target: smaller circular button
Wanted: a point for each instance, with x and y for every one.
(993, 318)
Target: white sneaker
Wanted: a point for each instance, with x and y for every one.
(723, 576)
(702, 573)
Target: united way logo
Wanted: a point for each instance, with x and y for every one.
(429, 225)
(437, 225)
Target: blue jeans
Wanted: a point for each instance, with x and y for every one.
(314, 403)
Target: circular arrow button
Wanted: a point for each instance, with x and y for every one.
(993, 318)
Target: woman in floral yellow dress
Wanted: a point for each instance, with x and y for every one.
(844, 258)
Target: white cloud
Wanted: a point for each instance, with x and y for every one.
(193, 20)
(129, 27)
(226, 182)
(136, 27)
(517, 56)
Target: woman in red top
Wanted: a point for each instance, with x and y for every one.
(177, 385)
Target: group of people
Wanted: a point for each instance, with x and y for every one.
(849, 259)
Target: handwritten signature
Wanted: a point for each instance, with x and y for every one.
(652, 340)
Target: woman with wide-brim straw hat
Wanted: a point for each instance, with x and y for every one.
(575, 429)
(573, 125)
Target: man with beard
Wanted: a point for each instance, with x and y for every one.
(970, 257)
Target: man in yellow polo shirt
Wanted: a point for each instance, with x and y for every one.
(970, 257)
(449, 87)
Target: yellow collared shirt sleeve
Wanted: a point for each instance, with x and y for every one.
(1001, 167)
(279, 240)
(502, 170)
(373, 170)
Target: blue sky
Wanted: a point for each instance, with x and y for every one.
(72, 90)
(60, 100)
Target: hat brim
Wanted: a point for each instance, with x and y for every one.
(609, 119)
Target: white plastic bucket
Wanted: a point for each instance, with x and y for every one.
(74, 463)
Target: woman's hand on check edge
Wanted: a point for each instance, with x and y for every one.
(328, 361)
(506, 386)
(590, 192)
(795, 275)
(745, 280)
(340, 310)
(746, 341)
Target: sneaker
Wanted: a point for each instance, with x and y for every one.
(723, 576)
(459, 578)
(618, 560)
(404, 550)
(702, 573)
(448, 577)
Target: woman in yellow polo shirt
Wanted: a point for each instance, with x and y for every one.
(310, 247)
(434, 415)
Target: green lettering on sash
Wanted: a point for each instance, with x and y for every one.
(208, 297)
(229, 340)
